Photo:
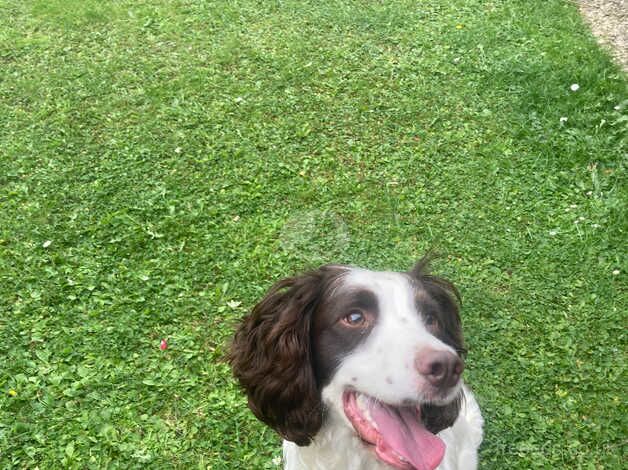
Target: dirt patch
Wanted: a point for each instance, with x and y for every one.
(609, 22)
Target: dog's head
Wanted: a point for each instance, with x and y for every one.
(381, 350)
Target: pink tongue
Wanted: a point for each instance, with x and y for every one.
(402, 432)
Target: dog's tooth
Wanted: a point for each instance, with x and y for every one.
(363, 404)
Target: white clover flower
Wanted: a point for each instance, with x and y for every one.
(574, 87)
(616, 272)
(234, 304)
(46, 244)
(563, 119)
(553, 233)
(276, 461)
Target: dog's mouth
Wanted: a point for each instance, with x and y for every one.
(397, 433)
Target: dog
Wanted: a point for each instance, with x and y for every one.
(361, 370)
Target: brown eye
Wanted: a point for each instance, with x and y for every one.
(355, 318)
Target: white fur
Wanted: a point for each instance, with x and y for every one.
(383, 367)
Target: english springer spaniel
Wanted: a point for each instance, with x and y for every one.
(361, 370)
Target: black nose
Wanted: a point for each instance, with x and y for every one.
(441, 368)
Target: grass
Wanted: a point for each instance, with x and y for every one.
(162, 163)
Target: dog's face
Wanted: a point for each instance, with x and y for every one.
(381, 351)
(390, 334)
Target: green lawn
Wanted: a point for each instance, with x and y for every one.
(162, 163)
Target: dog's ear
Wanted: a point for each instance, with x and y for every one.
(272, 359)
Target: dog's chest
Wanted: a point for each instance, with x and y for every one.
(331, 450)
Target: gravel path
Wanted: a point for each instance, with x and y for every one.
(609, 22)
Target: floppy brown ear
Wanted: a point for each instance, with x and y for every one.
(271, 358)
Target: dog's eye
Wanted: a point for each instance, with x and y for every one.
(430, 320)
(355, 318)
